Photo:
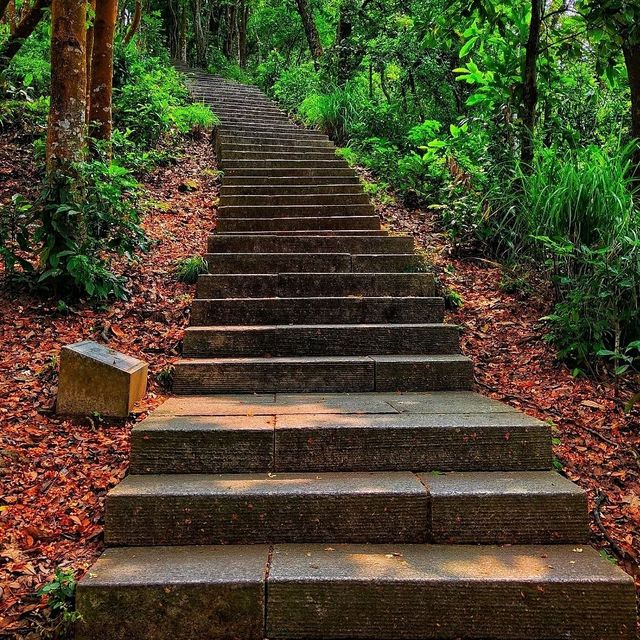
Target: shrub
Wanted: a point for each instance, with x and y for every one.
(188, 269)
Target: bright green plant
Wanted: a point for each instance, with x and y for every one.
(189, 269)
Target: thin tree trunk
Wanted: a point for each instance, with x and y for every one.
(632, 60)
(228, 42)
(89, 56)
(530, 85)
(345, 29)
(182, 36)
(11, 16)
(201, 41)
(242, 34)
(310, 30)
(23, 30)
(100, 112)
(3, 8)
(66, 136)
(135, 23)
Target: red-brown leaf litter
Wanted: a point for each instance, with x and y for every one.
(55, 473)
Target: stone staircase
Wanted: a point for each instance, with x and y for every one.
(344, 482)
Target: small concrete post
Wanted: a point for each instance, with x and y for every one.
(96, 379)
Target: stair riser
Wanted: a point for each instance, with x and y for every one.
(316, 311)
(258, 128)
(296, 447)
(230, 190)
(295, 211)
(382, 515)
(330, 233)
(274, 244)
(248, 263)
(278, 154)
(244, 225)
(316, 341)
(301, 285)
(276, 175)
(446, 610)
(297, 199)
(261, 519)
(227, 147)
(249, 110)
(288, 165)
(344, 377)
(303, 136)
(287, 143)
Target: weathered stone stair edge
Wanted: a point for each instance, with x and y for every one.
(273, 592)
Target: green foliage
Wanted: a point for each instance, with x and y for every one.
(60, 593)
(188, 269)
(73, 236)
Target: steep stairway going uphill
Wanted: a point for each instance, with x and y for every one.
(344, 482)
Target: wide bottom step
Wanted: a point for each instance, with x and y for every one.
(364, 592)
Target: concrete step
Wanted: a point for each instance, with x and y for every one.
(298, 285)
(310, 244)
(396, 592)
(330, 233)
(165, 593)
(228, 190)
(248, 152)
(320, 340)
(263, 508)
(323, 374)
(227, 147)
(274, 175)
(288, 165)
(230, 139)
(370, 592)
(264, 263)
(534, 507)
(251, 120)
(234, 180)
(257, 109)
(319, 310)
(447, 431)
(321, 155)
(295, 211)
(306, 136)
(260, 128)
(299, 199)
(324, 224)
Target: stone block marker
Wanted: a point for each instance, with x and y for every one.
(96, 379)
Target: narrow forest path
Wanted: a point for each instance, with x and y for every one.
(344, 481)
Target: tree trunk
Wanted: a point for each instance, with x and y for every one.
(182, 36)
(310, 30)
(66, 136)
(201, 41)
(100, 111)
(530, 85)
(345, 29)
(632, 60)
(242, 34)
(3, 8)
(89, 55)
(135, 23)
(23, 30)
(228, 42)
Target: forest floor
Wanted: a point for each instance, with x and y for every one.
(54, 473)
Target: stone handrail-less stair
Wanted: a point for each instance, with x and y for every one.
(344, 482)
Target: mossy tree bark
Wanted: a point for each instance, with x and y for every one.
(100, 111)
(530, 85)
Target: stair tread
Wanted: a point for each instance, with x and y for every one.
(449, 485)
(444, 403)
(327, 359)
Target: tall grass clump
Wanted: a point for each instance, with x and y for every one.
(579, 215)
